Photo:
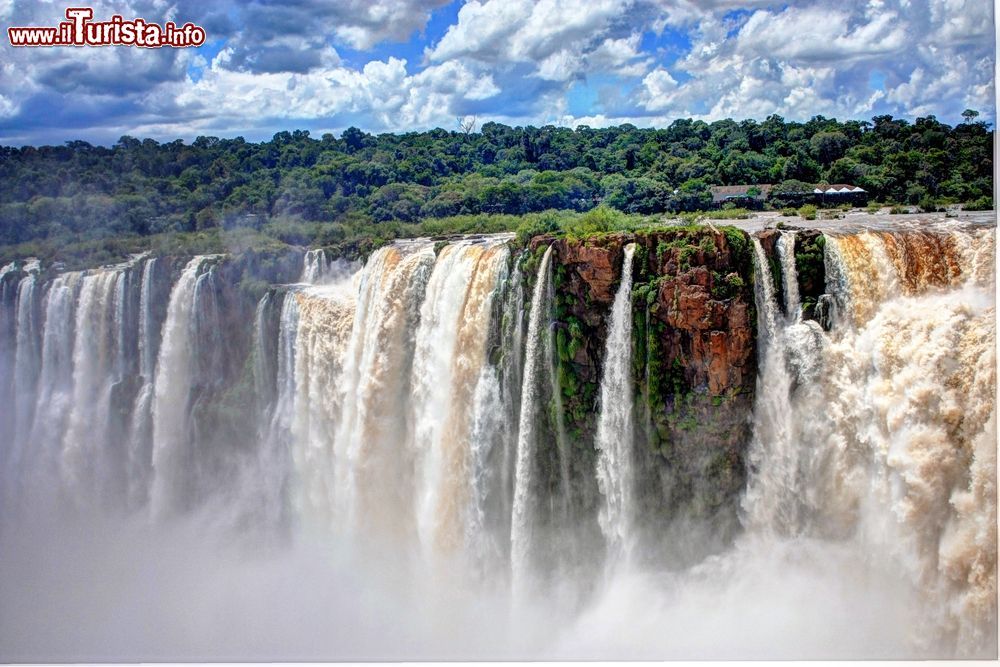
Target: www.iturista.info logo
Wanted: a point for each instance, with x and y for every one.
(80, 30)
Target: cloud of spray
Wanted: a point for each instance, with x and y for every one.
(108, 589)
(96, 585)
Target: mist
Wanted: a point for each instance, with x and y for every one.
(388, 461)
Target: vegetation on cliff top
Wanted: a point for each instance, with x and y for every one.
(299, 190)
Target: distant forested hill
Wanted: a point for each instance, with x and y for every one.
(290, 183)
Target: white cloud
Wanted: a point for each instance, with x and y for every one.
(563, 39)
(619, 56)
(560, 66)
(516, 61)
(383, 91)
(935, 56)
(820, 34)
(658, 89)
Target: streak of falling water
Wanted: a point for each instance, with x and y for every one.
(140, 431)
(615, 474)
(375, 486)
(175, 375)
(316, 326)
(448, 368)
(876, 432)
(26, 371)
(522, 513)
(562, 501)
(55, 386)
(87, 466)
(315, 266)
(773, 501)
(789, 276)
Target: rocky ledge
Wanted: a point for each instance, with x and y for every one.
(694, 361)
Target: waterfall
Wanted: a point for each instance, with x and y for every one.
(563, 500)
(375, 486)
(8, 349)
(26, 372)
(148, 338)
(265, 352)
(175, 376)
(447, 370)
(875, 431)
(773, 498)
(140, 431)
(55, 385)
(789, 276)
(392, 437)
(86, 462)
(521, 514)
(614, 427)
(315, 266)
(512, 346)
(316, 326)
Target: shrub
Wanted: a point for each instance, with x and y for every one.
(789, 211)
(981, 204)
(928, 205)
(808, 212)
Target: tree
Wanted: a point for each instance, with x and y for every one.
(467, 124)
(970, 115)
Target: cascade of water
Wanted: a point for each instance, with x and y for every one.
(789, 276)
(615, 475)
(315, 333)
(776, 497)
(265, 354)
(8, 349)
(175, 373)
(89, 465)
(563, 501)
(140, 430)
(522, 510)
(55, 385)
(512, 344)
(447, 370)
(148, 337)
(433, 368)
(910, 399)
(486, 538)
(376, 486)
(874, 432)
(26, 372)
(315, 267)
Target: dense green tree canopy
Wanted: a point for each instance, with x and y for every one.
(144, 187)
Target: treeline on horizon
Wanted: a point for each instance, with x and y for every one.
(300, 190)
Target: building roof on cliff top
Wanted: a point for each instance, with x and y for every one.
(724, 192)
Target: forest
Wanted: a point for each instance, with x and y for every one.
(297, 189)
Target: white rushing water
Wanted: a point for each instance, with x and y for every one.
(175, 376)
(521, 512)
(85, 464)
(875, 432)
(785, 247)
(614, 427)
(376, 464)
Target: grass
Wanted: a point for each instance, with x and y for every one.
(353, 239)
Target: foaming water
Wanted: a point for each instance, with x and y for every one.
(615, 430)
(374, 464)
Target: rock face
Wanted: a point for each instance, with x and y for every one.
(694, 362)
(810, 269)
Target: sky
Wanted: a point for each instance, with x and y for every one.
(402, 65)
